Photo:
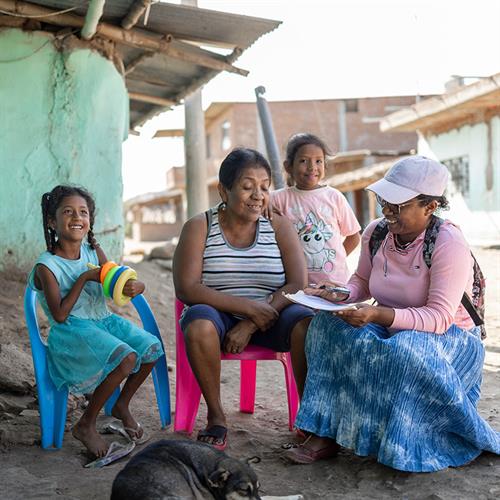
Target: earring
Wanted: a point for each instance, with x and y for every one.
(223, 205)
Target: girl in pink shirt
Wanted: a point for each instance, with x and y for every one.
(326, 225)
(400, 380)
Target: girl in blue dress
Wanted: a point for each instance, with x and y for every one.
(90, 350)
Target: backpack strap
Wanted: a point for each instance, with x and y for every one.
(430, 237)
(377, 237)
(470, 308)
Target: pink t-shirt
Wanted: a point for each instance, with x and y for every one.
(322, 218)
(425, 299)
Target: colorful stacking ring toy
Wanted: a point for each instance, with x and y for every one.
(107, 280)
(105, 268)
(113, 278)
(118, 297)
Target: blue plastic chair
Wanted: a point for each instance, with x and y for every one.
(52, 403)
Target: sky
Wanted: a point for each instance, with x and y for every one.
(326, 49)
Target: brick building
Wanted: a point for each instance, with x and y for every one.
(350, 127)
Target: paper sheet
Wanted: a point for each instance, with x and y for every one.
(317, 302)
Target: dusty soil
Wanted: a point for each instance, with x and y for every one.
(27, 471)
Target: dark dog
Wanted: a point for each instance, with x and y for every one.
(182, 469)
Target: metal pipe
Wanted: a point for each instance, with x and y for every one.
(94, 13)
(269, 138)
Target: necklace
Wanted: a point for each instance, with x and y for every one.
(400, 245)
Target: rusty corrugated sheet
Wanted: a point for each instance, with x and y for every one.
(162, 76)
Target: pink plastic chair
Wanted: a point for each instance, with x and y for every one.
(188, 393)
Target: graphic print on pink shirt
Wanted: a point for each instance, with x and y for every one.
(313, 235)
(322, 218)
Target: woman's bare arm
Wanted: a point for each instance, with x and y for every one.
(293, 258)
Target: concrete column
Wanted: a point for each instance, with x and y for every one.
(341, 111)
(195, 149)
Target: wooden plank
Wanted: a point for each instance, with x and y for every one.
(159, 101)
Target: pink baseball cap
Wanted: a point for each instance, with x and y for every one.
(410, 177)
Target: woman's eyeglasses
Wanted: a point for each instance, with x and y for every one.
(393, 207)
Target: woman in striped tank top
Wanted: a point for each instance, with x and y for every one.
(230, 267)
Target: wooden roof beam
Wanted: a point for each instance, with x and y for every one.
(138, 60)
(151, 99)
(189, 89)
(134, 14)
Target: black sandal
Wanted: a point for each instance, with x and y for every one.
(218, 435)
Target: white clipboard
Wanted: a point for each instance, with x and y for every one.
(317, 302)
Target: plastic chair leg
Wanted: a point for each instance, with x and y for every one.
(108, 406)
(52, 405)
(291, 390)
(187, 396)
(160, 371)
(60, 408)
(187, 390)
(162, 390)
(248, 369)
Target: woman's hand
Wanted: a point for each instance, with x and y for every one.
(321, 290)
(262, 315)
(133, 288)
(238, 337)
(365, 313)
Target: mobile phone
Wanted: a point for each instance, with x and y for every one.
(337, 289)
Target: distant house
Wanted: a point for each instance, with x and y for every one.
(350, 127)
(462, 129)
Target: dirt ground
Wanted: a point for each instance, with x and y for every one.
(30, 472)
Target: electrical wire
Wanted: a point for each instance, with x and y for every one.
(7, 61)
(40, 16)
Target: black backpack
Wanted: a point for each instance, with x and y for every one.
(474, 307)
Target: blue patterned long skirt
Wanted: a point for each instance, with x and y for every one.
(408, 399)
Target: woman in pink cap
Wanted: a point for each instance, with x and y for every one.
(401, 379)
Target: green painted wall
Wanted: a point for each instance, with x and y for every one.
(63, 118)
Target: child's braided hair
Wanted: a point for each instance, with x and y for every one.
(50, 204)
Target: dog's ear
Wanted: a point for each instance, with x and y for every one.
(218, 478)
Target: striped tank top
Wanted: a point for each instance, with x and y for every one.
(253, 272)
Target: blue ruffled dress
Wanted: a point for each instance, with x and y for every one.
(408, 399)
(92, 341)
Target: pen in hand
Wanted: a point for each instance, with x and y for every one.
(332, 289)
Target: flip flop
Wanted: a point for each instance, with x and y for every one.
(126, 432)
(137, 440)
(115, 452)
(301, 454)
(218, 434)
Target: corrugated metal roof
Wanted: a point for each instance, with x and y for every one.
(442, 113)
(162, 79)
